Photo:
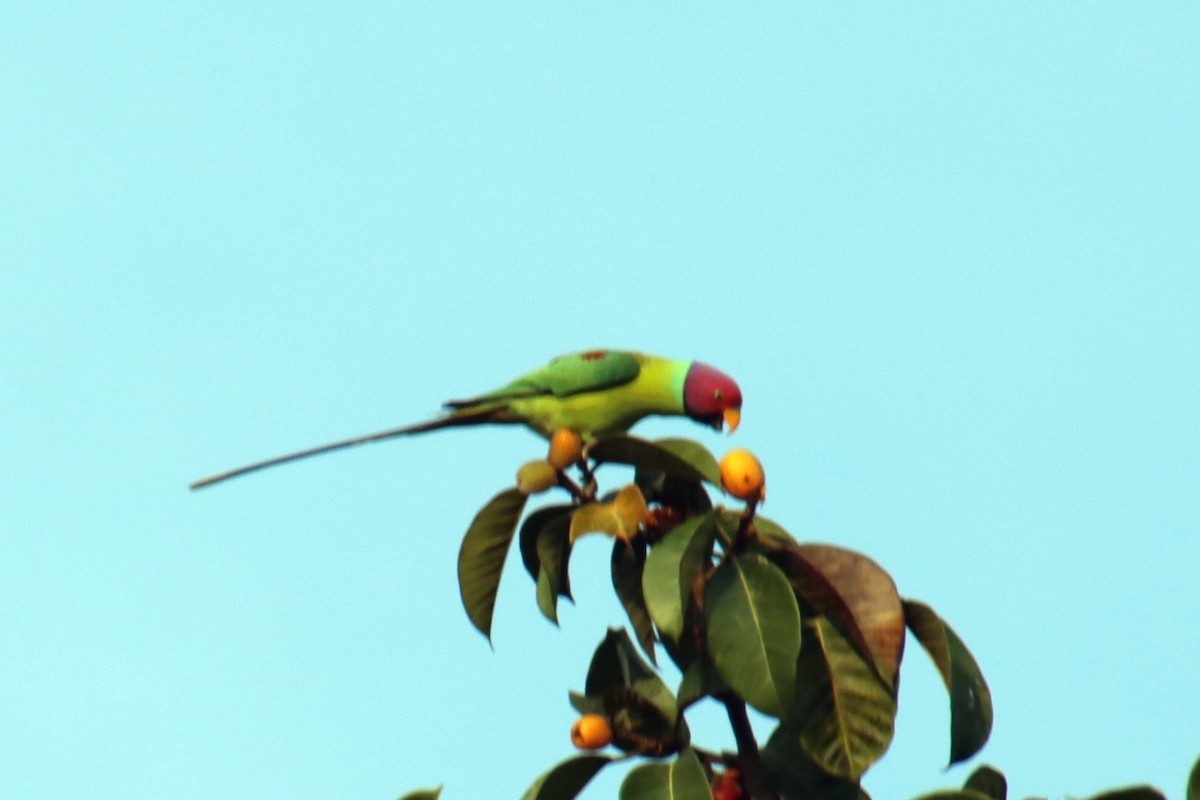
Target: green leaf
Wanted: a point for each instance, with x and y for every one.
(481, 558)
(684, 650)
(617, 665)
(680, 779)
(670, 567)
(728, 521)
(637, 452)
(685, 496)
(545, 552)
(844, 716)
(584, 704)
(1193, 787)
(547, 598)
(700, 679)
(532, 527)
(628, 559)
(696, 455)
(954, 794)
(970, 698)
(990, 781)
(854, 592)
(797, 777)
(424, 794)
(554, 551)
(1130, 793)
(644, 711)
(566, 780)
(727, 525)
(772, 531)
(753, 631)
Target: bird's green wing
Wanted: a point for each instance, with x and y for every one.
(591, 371)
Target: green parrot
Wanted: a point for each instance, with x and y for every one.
(594, 392)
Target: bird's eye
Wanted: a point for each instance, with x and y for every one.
(718, 395)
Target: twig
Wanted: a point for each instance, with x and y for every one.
(708, 756)
(571, 486)
(754, 778)
(746, 523)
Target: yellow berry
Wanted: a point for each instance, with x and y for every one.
(591, 732)
(566, 448)
(536, 476)
(742, 475)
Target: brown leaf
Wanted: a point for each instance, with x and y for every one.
(856, 594)
(619, 518)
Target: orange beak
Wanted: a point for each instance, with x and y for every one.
(733, 417)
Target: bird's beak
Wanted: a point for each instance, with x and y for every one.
(733, 417)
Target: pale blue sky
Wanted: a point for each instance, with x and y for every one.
(951, 253)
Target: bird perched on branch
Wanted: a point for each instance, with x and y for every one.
(593, 393)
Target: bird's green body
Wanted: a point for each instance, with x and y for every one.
(594, 393)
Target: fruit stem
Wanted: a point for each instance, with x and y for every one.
(585, 470)
(745, 532)
(571, 486)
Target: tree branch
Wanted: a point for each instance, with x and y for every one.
(754, 778)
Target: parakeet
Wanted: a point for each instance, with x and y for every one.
(594, 393)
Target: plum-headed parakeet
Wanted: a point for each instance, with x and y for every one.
(593, 393)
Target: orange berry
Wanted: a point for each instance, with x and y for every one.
(725, 786)
(536, 476)
(591, 732)
(566, 448)
(742, 475)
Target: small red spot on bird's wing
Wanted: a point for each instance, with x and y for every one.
(593, 355)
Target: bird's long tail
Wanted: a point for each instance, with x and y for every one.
(472, 416)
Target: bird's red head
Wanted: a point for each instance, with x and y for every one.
(712, 397)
